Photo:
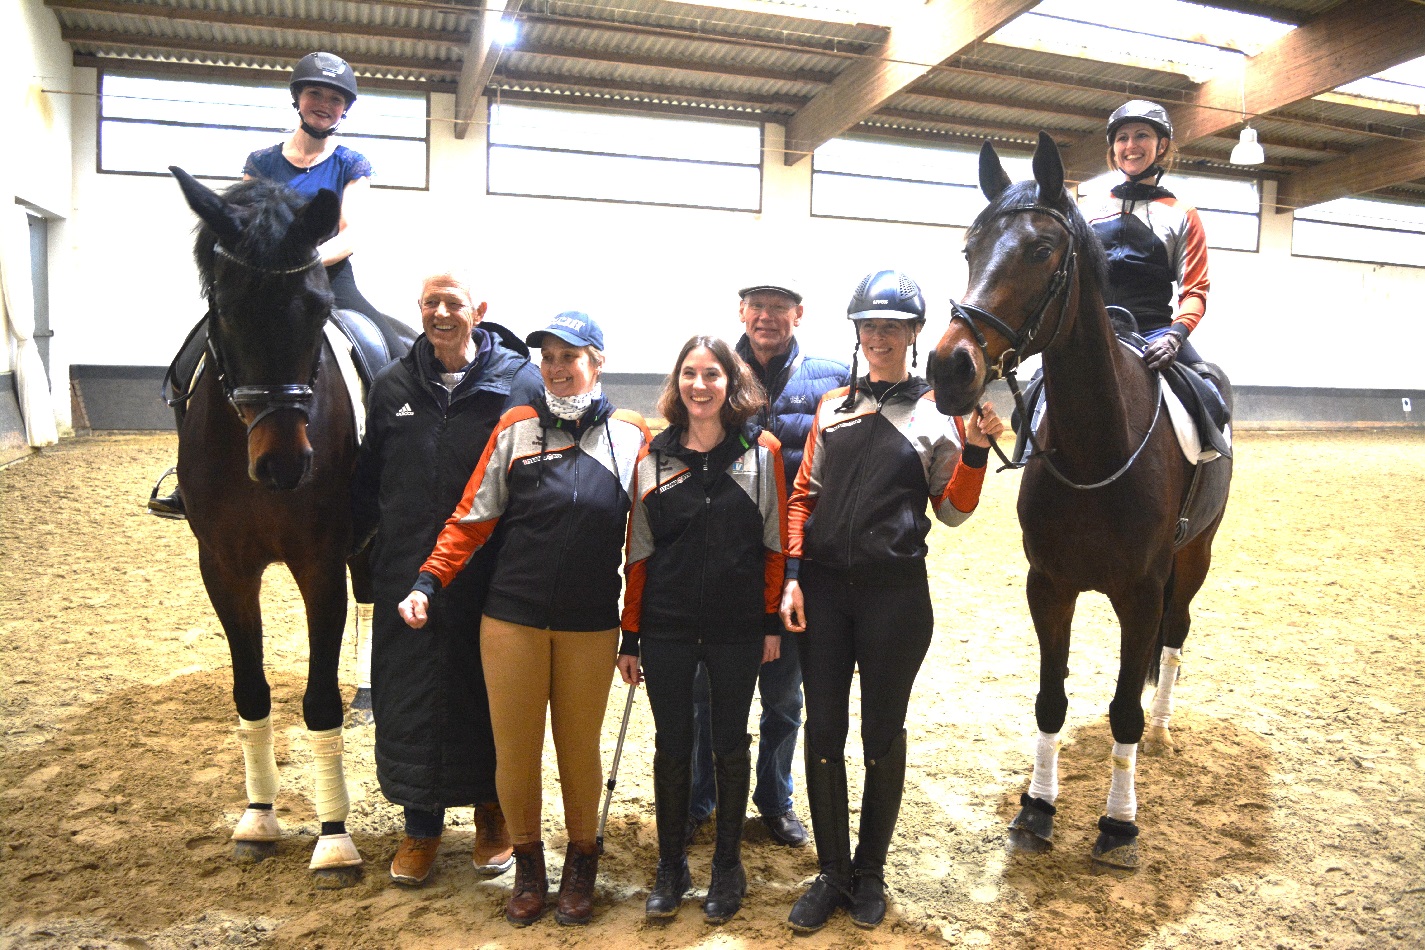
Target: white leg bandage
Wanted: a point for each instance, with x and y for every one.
(1044, 784)
(331, 798)
(258, 759)
(1162, 708)
(363, 645)
(1122, 799)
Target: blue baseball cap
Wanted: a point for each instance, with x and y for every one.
(573, 327)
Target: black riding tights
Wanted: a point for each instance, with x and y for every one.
(884, 631)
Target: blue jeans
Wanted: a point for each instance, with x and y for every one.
(780, 685)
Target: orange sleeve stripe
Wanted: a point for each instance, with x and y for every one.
(1193, 282)
(802, 502)
(635, 575)
(775, 568)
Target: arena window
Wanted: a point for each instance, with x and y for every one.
(1361, 229)
(873, 180)
(208, 128)
(1230, 208)
(547, 152)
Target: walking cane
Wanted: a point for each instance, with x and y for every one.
(613, 771)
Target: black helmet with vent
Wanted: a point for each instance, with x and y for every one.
(324, 69)
(1141, 110)
(887, 295)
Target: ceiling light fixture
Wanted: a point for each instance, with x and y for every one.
(1247, 151)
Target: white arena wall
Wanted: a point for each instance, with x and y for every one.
(124, 290)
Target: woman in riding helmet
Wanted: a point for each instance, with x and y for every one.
(1153, 239)
(857, 595)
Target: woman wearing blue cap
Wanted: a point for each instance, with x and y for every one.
(555, 481)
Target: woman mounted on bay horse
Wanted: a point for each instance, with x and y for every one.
(1108, 502)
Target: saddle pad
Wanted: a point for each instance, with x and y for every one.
(341, 347)
(1186, 430)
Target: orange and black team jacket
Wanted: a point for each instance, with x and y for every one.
(559, 492)
(707, 541)
(859, 503)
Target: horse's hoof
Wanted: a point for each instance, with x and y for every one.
(334, 853)
(253, 852)
(1158, 742)
(333, 879)
(1035, 822)
(357, 718)
(1117, 844)
(257, 826)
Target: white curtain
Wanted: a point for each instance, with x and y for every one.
(36, 404)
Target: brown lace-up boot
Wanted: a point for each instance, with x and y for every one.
(531, 890)
(576, 886)
(494, 855)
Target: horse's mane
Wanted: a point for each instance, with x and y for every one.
(266, 210)
(1093, 261)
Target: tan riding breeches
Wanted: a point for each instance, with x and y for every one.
(569, 672)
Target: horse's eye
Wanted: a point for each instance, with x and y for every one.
(966, 252)
(1041, 254)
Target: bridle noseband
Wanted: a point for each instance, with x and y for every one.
(1021, 344)
(296, 396)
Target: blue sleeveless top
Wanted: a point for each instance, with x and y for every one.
(332, 172)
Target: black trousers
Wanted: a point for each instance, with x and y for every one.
(669, 667)
(882, 630)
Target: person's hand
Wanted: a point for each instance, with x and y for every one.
(413, 609)
(1162, 351)
(793, 611)
(771, 648)
(628, 669)
(982, 425)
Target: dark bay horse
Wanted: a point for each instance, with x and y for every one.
(265, 457)
(1102, 497)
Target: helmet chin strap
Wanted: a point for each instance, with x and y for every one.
(314, 132)
(1153, 170)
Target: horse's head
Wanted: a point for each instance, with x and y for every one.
(1024, 251)
(268, 298)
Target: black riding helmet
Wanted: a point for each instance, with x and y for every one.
(883, 295)
(323, 69)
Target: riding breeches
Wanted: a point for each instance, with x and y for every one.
(881, 630)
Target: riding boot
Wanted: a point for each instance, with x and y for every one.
(672, 787)
(831, 826)
(880, 805)
(729, 879)
(531, 890)
(576, 885)
(170, 506)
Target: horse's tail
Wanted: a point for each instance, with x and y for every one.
(1151, 674)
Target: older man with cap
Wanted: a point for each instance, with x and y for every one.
(770, 313)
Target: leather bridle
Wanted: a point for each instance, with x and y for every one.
(1021, 344)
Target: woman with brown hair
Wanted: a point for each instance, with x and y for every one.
(704, 578)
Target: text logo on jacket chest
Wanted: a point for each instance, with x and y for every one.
(544, 456)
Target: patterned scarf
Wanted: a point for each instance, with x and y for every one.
(571, 408)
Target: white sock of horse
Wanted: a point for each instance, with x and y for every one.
(363, 645)
(1162, 709)
(1044, 783)
(1122, 799)
(331, 796)
(259, 761)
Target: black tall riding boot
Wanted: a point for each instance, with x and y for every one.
(672, 787)
(831, 826)
(733, 772)
(880, 806)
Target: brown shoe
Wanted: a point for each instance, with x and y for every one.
(576, 885)
(494, 854)
(531, 890)
(414, 859)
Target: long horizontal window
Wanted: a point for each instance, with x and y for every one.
(1230, 208)
(886, 181)
(546, 152)
(208, 128)
(1360, 229)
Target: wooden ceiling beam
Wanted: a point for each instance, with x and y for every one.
(779, 104)
(579, 54)
(915, 45)
(481, 56)
(795, 43)
(1372, 168)
(209, 17)
(244, 74)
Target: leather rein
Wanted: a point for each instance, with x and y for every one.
(1021, 341)
(270, 399)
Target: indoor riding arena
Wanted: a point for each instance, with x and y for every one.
(642, 161)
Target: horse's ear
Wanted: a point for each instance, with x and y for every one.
(1049, 170)
(316, 222)
(993, 180)
(208, 205)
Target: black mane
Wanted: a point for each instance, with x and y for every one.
(1093, 261)
(266, 210)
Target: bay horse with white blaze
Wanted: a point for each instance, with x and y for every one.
(266, 452)
(1103, 495)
